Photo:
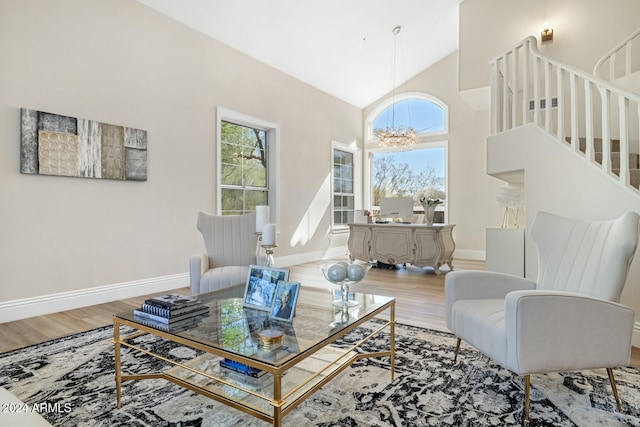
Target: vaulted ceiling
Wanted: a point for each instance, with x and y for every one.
(342, 47)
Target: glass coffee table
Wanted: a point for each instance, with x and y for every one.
(307, 359)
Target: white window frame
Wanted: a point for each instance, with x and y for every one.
(357, 181)
(273, 155)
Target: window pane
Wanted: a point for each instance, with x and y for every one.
(255, 175)
(231, 175)
(232, 201)
(254, 198)
(424, 116)
(403, 173)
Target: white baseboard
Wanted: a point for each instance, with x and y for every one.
(469, 254)
(635, 338)
(53, 303)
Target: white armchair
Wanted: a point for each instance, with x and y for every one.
(569, 318)
(231, 242)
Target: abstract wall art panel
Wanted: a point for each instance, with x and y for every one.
(51, 144)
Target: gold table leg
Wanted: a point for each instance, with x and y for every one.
(392, 344)
(118, 373)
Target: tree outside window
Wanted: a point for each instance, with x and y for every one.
(243, 168)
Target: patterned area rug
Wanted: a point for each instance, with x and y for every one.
(73, 377)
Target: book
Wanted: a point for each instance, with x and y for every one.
(163, 319)
(173, 301)
(168, 326)
(242, 368)
(163, 311)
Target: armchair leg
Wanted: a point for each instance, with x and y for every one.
(455, 356)
(527, 392)
(612, 380)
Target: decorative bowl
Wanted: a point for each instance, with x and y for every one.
(345, 274)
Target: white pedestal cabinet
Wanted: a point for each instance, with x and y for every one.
(416, 244)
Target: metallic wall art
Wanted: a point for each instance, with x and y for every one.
(51, 144)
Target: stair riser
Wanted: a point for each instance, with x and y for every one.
(597, 145)
(634, 160)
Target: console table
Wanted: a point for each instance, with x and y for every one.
(417, 244)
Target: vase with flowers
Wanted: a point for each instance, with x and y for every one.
(429, 198)
(369, 217)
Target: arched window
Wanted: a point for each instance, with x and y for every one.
(425, 113)
(403, 171)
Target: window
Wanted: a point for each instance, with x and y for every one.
(344, 177)
(246, 165)
(426, 114)
(343, 187)
(401, 172)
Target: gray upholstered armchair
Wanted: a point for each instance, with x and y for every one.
(231, 247)
(569, 318)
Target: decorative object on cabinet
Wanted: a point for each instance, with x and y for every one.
(429, 198)
(512, 200)
(52, 144)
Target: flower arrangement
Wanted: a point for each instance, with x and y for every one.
(430, 196)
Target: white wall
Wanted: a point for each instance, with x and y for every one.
(120, 62)
(491, 27)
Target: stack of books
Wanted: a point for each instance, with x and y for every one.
(171, 308)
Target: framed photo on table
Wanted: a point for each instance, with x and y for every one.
(284, 303)
(260, 289)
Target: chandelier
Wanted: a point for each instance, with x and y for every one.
(393, 135)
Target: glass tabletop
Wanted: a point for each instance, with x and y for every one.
(233, 328)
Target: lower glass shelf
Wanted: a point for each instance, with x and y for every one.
(206, 374)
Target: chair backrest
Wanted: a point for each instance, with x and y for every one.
(229, 239)
(590, 258)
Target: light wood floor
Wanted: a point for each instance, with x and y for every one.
(419, 297)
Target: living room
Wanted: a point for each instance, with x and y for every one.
(70, 243)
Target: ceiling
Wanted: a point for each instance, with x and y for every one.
(342, 47)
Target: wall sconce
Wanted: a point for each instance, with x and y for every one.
(547, 34)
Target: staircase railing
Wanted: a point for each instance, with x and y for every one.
(576, 107)
(625, 50)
